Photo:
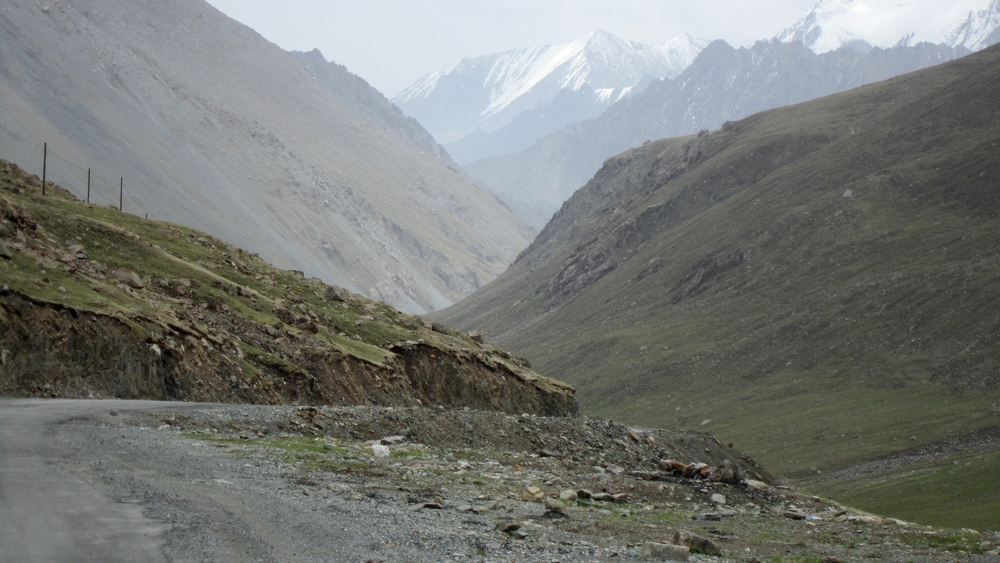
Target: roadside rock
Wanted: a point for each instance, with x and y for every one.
(555, 509)
(697, 543)
(795, 514)
(533, 494)
(665, 552)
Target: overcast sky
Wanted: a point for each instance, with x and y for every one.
(392, 43)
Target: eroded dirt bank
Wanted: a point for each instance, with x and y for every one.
(51, 350)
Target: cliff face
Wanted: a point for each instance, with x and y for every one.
(96, 303)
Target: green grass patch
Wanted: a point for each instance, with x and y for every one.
(953, 491)
(948, 541)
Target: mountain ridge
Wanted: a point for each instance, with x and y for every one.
(814, 282)
(723, 84)
(509, 83)
(859, 24)
(353, 91)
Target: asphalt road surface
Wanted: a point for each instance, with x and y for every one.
(48, 513)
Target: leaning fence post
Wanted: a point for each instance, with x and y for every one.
(45, 164)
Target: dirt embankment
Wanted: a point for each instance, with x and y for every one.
(58, 351)
(95, 303)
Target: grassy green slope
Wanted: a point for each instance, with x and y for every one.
(204, 320)
(725, 282)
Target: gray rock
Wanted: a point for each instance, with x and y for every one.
(334, 293)
(507, 526)
(665, 552)
(129, 278)
(728, 472)
(78, 251)
(697, 543)
(5, 252)
(795, 514)
(602, 497)
(718, 499)
(568, 496)
(483, 508)
(555, 509)
(710, 517)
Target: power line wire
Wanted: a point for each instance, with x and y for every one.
(26, 150)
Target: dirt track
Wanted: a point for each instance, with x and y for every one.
(143, 481)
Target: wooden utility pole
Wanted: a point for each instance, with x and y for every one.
(88, 185)
(45, 164)
(121, 195)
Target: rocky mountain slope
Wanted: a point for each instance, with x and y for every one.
(721, 85)
(561, 84)
(99, 303)
(213, 127)
(817, 284)
(355, 93)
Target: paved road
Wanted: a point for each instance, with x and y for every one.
(49, 514)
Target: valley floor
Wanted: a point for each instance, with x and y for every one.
(196, 482)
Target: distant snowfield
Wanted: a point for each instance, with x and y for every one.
(831, 24)
(514, 76)
(489, 91)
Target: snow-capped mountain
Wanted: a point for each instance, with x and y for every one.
(832, 24)
(487, 92)
(980, 28)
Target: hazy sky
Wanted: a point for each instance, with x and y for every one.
(392, 43)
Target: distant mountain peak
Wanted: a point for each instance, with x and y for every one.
(488, 91)
(980, 28)
(832, 24)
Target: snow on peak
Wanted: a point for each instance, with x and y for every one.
(832, 24)
(979, 29)
(599, 60)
